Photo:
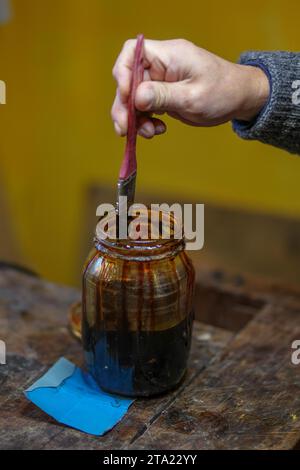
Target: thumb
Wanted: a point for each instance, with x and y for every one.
(158, 96)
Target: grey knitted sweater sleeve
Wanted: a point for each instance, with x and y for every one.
(278, 123)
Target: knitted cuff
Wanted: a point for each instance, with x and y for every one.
(278, 123)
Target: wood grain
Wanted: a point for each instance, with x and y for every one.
(248, 399)
(33, 322)
(241, 390)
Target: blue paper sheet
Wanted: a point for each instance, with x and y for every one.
(72, 397)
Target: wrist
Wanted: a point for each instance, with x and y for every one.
(255, 89)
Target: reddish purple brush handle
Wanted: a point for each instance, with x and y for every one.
(129, 161)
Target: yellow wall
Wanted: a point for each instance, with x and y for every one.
(56, 134)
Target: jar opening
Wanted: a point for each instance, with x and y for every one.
(149, 233)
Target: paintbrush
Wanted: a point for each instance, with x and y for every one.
(127, 175)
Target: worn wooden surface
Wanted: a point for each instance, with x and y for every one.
(241, 390)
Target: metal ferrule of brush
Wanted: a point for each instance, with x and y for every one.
(126, 187)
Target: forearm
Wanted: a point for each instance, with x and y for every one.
(278, 122)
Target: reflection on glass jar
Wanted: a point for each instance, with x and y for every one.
(137, 314)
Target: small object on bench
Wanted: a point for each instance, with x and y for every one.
(72, 397)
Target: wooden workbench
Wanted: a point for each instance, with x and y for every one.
(241, 390)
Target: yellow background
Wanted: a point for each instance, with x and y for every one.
(56, 134)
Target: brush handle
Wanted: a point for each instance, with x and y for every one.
(129, 165)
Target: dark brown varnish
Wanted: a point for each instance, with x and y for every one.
(141, 363)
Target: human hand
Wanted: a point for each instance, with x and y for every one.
(188, 83)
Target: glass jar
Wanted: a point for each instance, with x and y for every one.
(137, 314)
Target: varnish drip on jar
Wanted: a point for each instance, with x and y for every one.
(137, 314)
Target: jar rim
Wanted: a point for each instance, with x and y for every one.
(141, 248)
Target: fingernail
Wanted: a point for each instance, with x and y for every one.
(160, 129)
(146, 131)
(117, 128)
(145, 134)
